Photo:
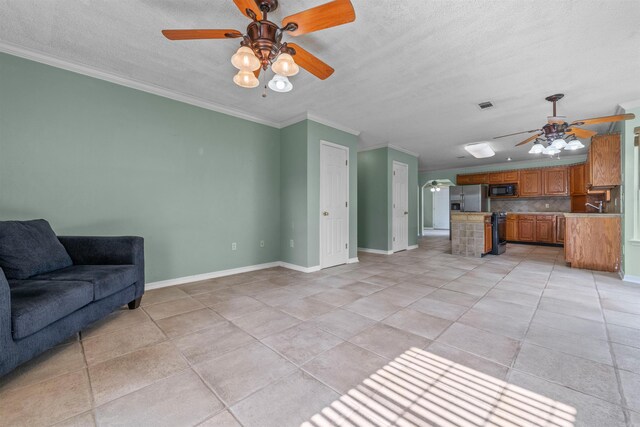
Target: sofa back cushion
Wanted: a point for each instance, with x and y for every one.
(28, 248)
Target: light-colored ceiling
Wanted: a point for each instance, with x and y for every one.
(408, 73)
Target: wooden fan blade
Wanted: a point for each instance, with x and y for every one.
(581, 133)
(201, 34)
(310, 63)
(531, 138)
(517, 133)
(328, 15)
(243, 5)
(605, 119)
(257, 72)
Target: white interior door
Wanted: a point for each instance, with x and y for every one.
(441, 209)
(400, 208)
(334, 204)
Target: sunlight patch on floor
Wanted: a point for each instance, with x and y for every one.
(419, 388)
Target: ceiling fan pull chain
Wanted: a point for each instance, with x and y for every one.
(264, 93)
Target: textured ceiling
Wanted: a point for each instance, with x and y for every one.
(408, 73)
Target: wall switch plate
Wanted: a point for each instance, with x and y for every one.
(234, 246)
(262, 243)
(291, 242)
(546, 205)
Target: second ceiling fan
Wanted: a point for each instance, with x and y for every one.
(558, 134)
(262, 45)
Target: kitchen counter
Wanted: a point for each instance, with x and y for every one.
(591, 215)
(470, 233)
(536, 213)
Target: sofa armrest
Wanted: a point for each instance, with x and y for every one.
(5, 312)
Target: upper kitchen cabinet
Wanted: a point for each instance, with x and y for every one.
(474, 178)
(602, 170)
(577, 184)
(506, 177)
(530, 183)
(556, 182)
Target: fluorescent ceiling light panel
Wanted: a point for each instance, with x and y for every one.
(480, 150)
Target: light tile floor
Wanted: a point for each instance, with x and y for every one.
(416, 338)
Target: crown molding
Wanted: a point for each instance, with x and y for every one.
(47, 59)
(393, 147)
(315, 118)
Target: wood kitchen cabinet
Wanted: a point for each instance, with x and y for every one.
(475, 178)
(560, 228)
(530, 183)
(593, 241)
(504, 177)
(577, 184)
(526, 228)
(545, 227)
(512, 228)
(488, 235)
(555, 181)
(602, 169)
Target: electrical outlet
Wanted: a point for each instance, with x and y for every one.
(262, 243)
(546, 205)
(234, 246)
(291, 242)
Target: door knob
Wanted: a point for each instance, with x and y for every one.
(325, 213)
(406, 213)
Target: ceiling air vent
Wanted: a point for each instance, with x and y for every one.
(485, 105)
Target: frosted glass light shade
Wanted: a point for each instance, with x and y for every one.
(551, 150)
(437, 188)
(285, 65)
(246, 79)
(574, 145)
(280, 84)
(480, 150)
(245, 60)
(559, 143)
(536, 149)
(433, 190)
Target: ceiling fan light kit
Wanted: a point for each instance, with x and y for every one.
(280, 84)
(246, 79)
(560, 135)
(262, 46)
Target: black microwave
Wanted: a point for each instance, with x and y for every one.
(503, 190)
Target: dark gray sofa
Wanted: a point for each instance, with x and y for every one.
(97, 276)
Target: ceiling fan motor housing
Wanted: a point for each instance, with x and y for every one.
(264, 38)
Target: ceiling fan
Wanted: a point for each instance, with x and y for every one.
(262, 44)
(558, 134)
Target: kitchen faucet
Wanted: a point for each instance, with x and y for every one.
(599, 207)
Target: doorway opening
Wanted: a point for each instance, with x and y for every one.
(435, 206)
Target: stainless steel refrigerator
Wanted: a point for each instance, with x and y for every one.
(468, 198)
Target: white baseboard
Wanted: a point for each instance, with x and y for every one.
(412, 247)
(375, 251)
(212, 275)
(630, 278)
(299, 267)
(222, 273)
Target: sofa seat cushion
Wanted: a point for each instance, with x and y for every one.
(36, 304)
(28, 248)
(106, 279)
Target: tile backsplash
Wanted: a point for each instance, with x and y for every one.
(556, 204)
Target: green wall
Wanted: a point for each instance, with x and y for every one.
(97, 158)
(317, 132)
(373, 219)
(300, 188)
(412, 161)
(630, 195)
(375, 197)
(293, 190)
